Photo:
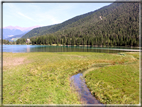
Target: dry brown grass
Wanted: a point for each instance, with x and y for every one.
(13, 61)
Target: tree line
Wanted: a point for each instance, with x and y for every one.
(111, 40)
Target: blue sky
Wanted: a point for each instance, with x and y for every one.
(43, 14)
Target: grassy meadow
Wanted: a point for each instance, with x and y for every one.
(117, 84)
(44, 77)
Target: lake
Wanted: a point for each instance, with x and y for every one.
(48, 48)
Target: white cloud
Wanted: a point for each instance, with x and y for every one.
(25, 16)
(10, 35)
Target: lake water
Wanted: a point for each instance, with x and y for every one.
(47, 48)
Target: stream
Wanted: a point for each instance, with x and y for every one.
(78, 82)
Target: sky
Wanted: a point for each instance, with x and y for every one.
(44, 14)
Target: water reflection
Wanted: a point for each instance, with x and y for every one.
(28, 48)
(46, 48)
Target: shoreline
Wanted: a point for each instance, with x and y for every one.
(77, 45)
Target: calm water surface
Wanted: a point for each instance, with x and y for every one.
(46, 48)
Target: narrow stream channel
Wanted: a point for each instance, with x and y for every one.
(78, 82)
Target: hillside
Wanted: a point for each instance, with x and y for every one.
(116, 24)
(76, 21)
(15, 36)
(11, 31)
(38, 31)
(53, 28)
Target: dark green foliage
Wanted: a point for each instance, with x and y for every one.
(113, 25)
(5, 41)
(21, 41)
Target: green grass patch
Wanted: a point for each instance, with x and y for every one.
(116, 84)
(44, 78)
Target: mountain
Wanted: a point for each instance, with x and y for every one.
(21, 28)
(37, 31)
(10, 31)
(15, 37)
(53, 28)
(73, 22)
(116, 24)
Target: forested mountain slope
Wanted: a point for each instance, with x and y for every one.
(116, 24)
(37, 31)
(76, 21)
(53, 28)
